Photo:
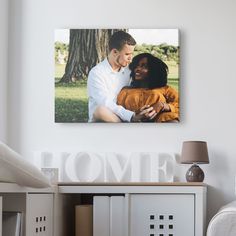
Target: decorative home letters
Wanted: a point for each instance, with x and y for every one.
(109, 167)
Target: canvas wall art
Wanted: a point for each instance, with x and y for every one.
(116, 75)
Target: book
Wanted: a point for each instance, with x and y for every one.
(101, 216)
(84, 220)
(11, 223)
(117, 215)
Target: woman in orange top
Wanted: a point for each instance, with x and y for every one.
(149, 88)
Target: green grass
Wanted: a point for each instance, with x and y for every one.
(71, 100)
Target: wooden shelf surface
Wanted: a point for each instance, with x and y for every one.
(131, 184)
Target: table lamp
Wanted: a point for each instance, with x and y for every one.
(194, 152)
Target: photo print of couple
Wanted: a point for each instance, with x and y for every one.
(116, 75)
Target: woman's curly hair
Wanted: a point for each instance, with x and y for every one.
(157, 74)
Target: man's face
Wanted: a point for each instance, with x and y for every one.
(124, 56)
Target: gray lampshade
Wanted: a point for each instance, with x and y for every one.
(194, 152)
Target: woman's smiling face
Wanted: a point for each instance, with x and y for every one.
(141, 70)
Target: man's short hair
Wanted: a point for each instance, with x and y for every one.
(119, 39)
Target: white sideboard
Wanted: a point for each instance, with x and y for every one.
(152, 209)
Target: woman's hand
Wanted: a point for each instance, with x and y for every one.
(145, 113)
(161, 107)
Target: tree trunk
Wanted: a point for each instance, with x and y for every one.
(87, 47)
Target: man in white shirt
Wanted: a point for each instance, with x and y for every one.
(107, 78)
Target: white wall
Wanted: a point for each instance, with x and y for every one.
(207, 84)
(3, 68)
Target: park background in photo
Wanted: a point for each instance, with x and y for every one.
(78, 50)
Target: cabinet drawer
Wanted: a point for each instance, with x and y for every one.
(39, 213)
(162, 215)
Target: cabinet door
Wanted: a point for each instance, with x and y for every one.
(39, 215)
(162, 215)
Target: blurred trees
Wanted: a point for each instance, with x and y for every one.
(61, 52)
(163, 51)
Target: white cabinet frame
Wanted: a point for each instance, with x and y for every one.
(198, 190)
(66, 195)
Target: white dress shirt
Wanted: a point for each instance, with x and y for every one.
(103, 85)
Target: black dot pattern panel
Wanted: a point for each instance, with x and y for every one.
(161, 225)
(152, 217)
(40, 227)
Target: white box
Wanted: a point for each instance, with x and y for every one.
(101, 216)
(117, 215)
